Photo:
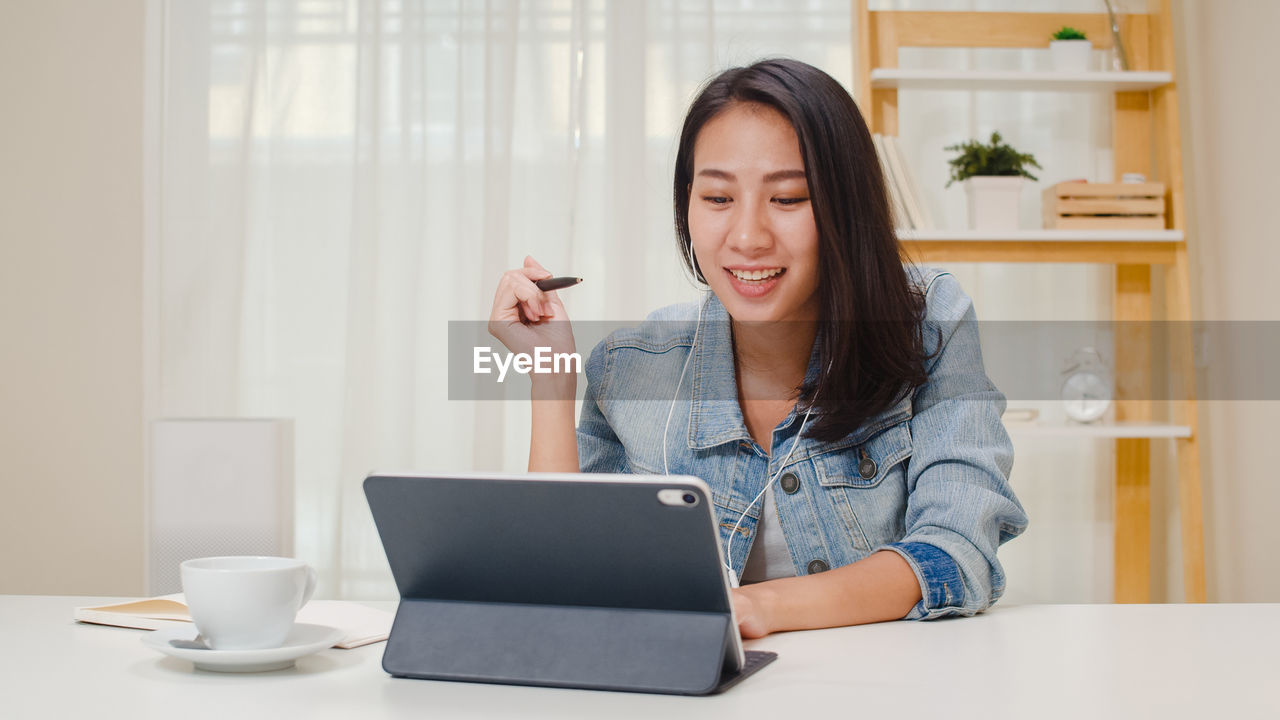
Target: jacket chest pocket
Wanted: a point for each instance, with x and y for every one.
(869, 483)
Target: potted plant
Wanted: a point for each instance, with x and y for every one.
(1070, 50)
(992, 175)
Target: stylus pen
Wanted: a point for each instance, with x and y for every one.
(557, 283)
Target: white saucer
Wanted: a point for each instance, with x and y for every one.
(302, 640)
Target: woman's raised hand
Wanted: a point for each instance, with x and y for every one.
(525, 318)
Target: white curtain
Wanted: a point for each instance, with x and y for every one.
(339, 179)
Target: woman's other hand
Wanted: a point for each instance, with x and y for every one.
(524, 318)
(750, 614)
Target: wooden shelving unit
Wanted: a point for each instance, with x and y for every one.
(1118, 237)
(1150, 247)
(1100, 430)
(1129, 81)
(1146, 141)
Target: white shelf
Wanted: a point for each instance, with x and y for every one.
(1044, 235)
(1016, 80)
(1097, 430)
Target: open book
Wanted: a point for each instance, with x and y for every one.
(361, 624)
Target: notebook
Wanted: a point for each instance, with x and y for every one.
(607, 582)
(360, 624)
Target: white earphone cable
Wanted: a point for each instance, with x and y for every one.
(696, 329)
(728, 563)
(666, 469)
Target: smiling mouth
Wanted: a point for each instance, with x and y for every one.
(761, 275)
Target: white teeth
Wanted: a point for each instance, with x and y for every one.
(756, 274)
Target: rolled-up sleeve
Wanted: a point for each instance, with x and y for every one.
(599, 450)
(960, 505)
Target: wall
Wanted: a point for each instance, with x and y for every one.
(71, 82)
(1230, 107)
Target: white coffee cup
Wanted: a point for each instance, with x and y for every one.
(246, 602)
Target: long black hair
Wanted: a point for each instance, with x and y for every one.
(870, 344)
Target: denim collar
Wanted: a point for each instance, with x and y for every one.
(715, 417)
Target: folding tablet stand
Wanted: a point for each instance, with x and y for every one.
(659, 651)
(585, 581)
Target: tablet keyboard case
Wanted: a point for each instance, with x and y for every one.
(590, 648)
(568, 603)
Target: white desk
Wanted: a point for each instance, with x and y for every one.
(1046, 661)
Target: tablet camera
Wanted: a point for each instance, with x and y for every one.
(677, 497)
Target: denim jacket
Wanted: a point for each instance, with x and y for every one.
(939, 494)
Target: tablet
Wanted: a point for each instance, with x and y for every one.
(611, 582)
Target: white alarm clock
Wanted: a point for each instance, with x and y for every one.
(1086, 386)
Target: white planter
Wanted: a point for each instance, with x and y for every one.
(993, 202)
(1071, 55)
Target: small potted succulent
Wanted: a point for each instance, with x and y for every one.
(1070, 50)
(992, 175)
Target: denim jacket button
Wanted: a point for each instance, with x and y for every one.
(867, 467)
(790, 483)
(817, 566)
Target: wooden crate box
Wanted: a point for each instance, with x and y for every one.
(1104, 206)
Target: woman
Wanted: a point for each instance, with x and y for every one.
(834, 401)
